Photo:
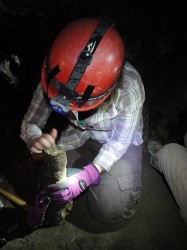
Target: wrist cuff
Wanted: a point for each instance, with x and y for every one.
(94, 167)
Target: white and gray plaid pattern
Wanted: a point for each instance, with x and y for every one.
(117, 124)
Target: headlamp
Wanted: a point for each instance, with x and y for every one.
(60, 104)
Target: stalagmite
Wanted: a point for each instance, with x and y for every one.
(53, 172)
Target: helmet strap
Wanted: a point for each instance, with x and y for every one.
(86, 95)
(50, 73)
(86, 55)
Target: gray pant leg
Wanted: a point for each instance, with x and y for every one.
(171, 160)
(117, 195)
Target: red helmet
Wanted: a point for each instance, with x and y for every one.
(84, 63)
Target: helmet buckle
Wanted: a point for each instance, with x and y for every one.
(85, 56)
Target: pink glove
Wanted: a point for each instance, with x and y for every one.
(75, 185)
(37, 216)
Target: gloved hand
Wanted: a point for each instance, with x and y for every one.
(75, 185)
(37, 216)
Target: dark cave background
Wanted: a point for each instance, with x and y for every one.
(155, 35)
(155, 38)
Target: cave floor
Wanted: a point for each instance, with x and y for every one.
(157, 225)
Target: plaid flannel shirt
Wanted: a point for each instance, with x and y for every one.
(117, 124)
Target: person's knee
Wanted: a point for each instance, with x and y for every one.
(170, 147)
(112, 212)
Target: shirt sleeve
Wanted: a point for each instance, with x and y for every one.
(36, 117)
(128, 121)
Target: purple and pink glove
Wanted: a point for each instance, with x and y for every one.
(37, 215)
(75, 185)
(62, 193)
